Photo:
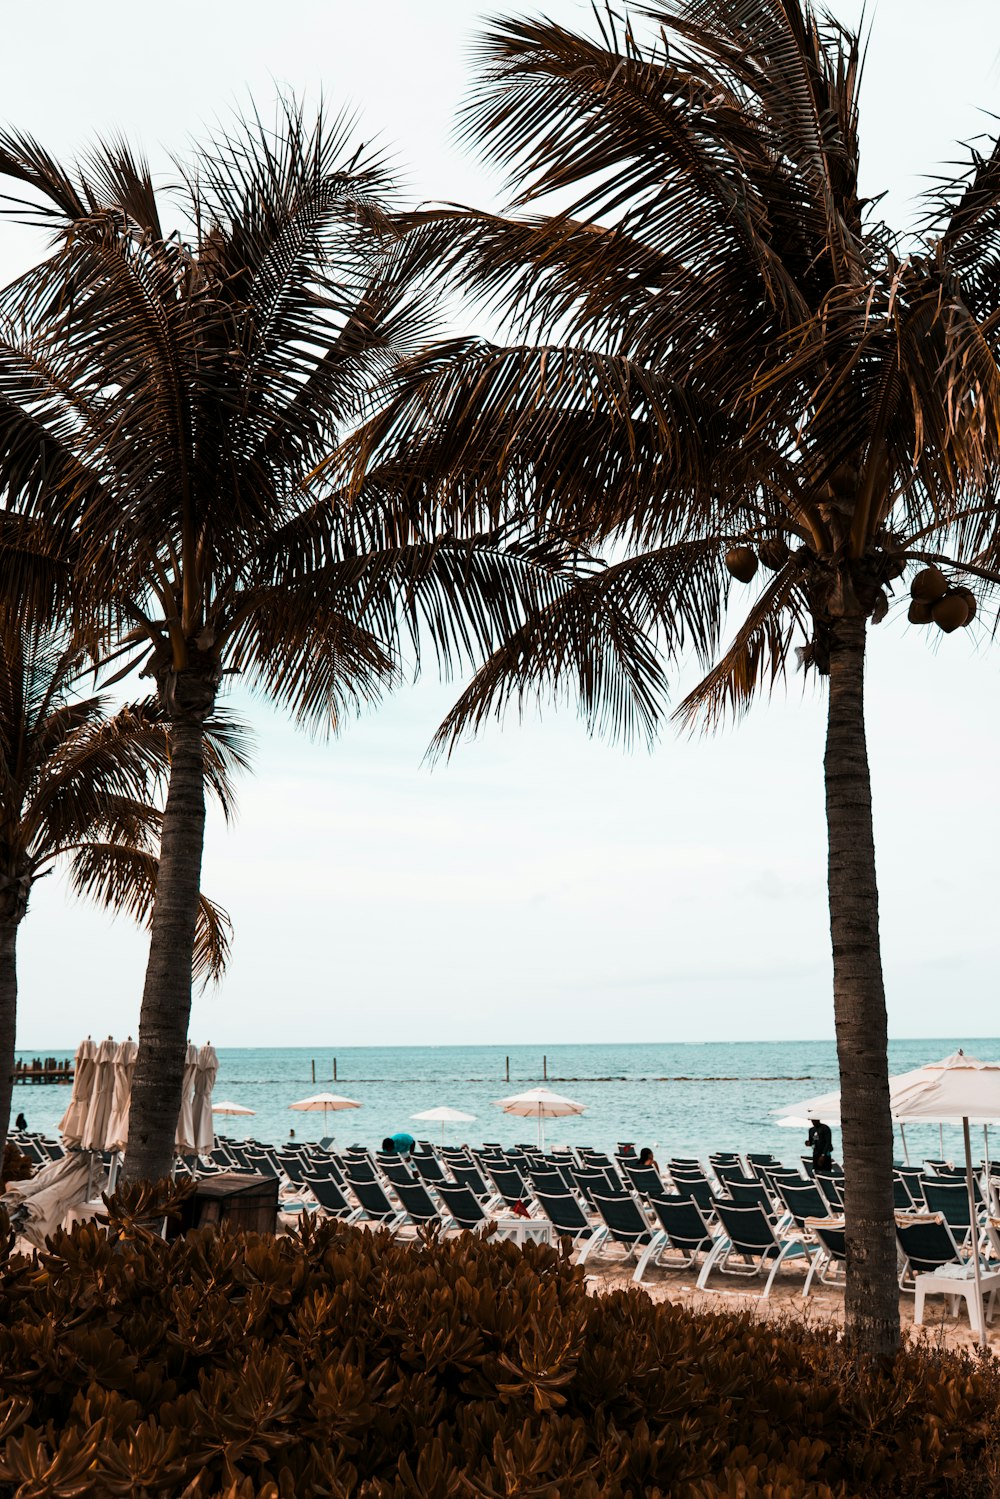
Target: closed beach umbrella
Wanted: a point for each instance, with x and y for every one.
(225, 1107)
(125, 1056)
(445, 1115)
(539, 1104)
(95, 1129)
(185, 1119)
(204, 1082)
(72, 1122)
(327, 1102)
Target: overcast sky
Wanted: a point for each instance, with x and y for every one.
(542, 885)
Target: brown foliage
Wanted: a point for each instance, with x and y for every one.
(344, 1363)
(16, 1166)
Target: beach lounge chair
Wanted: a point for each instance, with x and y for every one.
(467, 1211)
(420, 1206)
(699, 1188)
(732, 1171)
(376, 1205)
(910, 1178)
(510, 1186)
(623, 1222)
(933, 1265)
(831, 1237)
(396, 1171)
(751, 1194)
(589, 1182)
(749, 1233)
(359, 1168)
(468, 1175)
(830, 1187)
(951, 1200)
(430, 1168)
(683, 1231)
(802, 1201)
(331, 1199)
(646, 1181)
(566, 1216)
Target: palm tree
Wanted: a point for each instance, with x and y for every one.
(173, 398)
(720, 356)
(77, 789)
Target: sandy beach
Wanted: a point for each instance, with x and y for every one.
(824, 1306)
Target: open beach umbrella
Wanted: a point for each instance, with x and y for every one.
(445, 1115)
(117, 1134)
(328, 1102)
(539, 1104)
(95, 1127)
(225, 1107)
(184, 1138)
(957, 1090)
(204, 1082)
(72, 1122)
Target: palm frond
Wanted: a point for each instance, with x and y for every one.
(124, 879)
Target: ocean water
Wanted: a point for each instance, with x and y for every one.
(681, 1099)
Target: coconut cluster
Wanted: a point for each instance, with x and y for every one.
(934, 602)
(742, 561)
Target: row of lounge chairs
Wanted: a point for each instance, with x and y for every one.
(742, 1217)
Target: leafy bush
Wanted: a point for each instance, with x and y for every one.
(16, 1167)
(343, 1363)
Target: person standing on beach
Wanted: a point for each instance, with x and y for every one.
(820, 1137)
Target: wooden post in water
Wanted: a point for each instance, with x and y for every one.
(507, 1060)
(314, 1069)
(335, 1069)
(545, 1069)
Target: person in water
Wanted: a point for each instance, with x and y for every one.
(820, 1137)
(20, 1122)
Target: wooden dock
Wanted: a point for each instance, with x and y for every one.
(44, 1070)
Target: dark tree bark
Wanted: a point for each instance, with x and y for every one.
(8, 1023)
(166, 998)
(872, 1294)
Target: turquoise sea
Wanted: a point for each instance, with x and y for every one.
(682, 1099)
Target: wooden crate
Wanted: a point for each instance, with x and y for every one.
(240, 1200)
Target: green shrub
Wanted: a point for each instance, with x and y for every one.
(343, 1363)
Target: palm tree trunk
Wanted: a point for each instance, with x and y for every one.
(872, 1295)
(166, 998)
(8, 1024)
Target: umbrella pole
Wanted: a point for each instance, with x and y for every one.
(941, 1141)
(906, 1153)
(974, 1220)
(990, 1195)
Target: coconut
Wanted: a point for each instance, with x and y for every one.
(950, 612)
(930, 583)
(970, 598)
(742, 563)
(774, 552)
(920, 612)
(892, 566)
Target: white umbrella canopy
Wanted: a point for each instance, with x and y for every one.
(539, 1104)
(444, 1115)
(117, 1133)
(226, 1107)
(957, 1090)
(204, 1082)
(72, 1122)
(328, 1102)
(184, 1138)
(95, 1129)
